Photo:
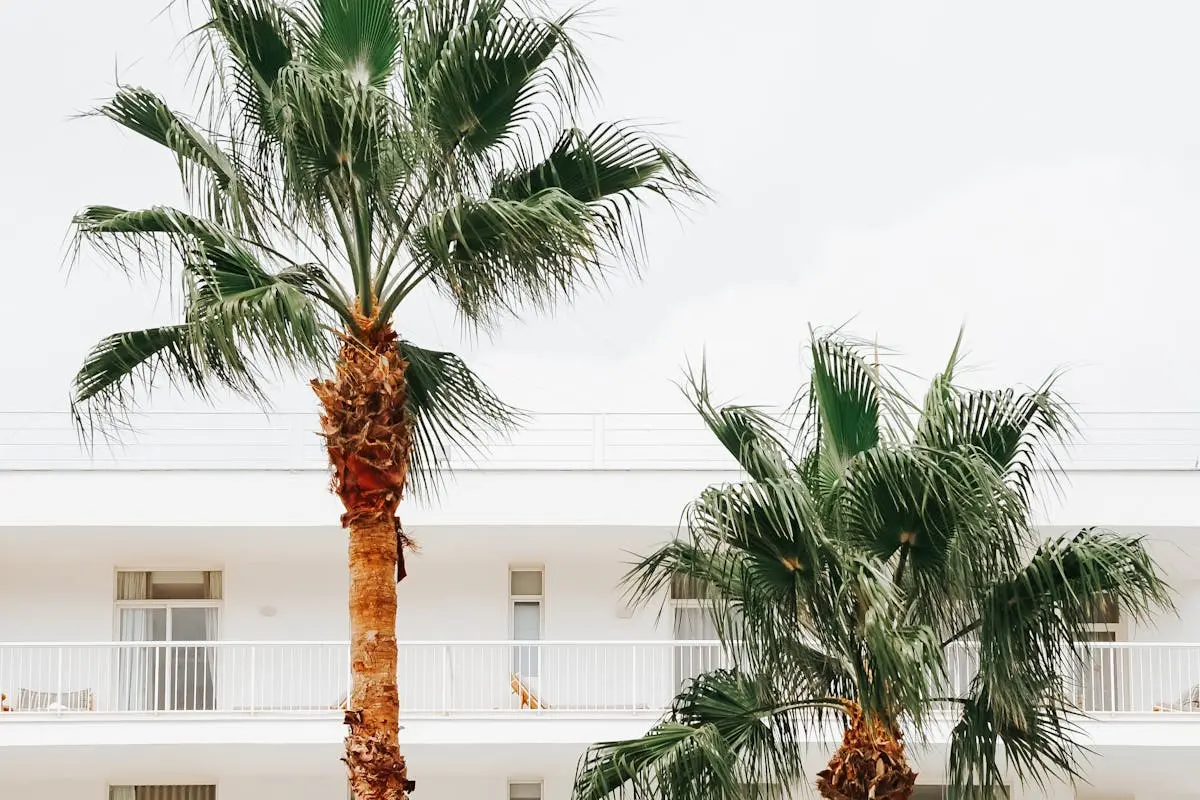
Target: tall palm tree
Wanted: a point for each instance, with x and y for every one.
(349, 153)
(867, 548)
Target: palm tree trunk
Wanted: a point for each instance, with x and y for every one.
(871, 763)
(368, 435)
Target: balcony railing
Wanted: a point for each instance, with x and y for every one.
(287, 441)
(440, 679)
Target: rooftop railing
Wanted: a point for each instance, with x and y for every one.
(215, 440)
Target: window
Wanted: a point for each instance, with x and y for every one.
(939, 793)
(162, 793)
(692, 621)
(526, 589)
(524, 790)
(1101, 683)
(167, 607)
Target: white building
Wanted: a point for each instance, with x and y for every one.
(211, 538)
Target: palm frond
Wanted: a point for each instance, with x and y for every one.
(846, 396)
(749, 434)
(252, 42)
(210, 175)
(501, 256)
(1018, 432)
(476, 70)
(613, 168)
(360, 39)
(1028, 618)
(1039, 746)
(946, 516)
(124, 365)
(453, 412)
(242, 308)
(726, 734)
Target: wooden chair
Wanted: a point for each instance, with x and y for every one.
(528, 698)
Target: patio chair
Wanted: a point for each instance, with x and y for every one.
(528, 698)
(78, 700)
(1189, 701)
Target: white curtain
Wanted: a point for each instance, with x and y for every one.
(210, 656)
(694, 624)
(136, 666)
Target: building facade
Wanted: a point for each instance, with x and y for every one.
(173, 616)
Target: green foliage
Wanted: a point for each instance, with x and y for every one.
(863, 550)
(350, 152)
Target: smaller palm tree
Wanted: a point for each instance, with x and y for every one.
(867, 551)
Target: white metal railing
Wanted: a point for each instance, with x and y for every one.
(435, 678)
(481, 678)
(551, 441)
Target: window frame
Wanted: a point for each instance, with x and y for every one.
(219, 605)
(540, 782)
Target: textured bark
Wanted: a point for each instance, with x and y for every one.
(368, 436)
(870, 764)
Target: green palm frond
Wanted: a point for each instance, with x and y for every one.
(453, 411)
(252, 42)
(244, 309)
(123, 366)
(499, 256)
(478, 70)
(855, 564)
(360, 40)
(726, 734)
(752, 437)
(1028, 617)
(210, 175)
(1039, 746)
(349, 152)
(844, 391)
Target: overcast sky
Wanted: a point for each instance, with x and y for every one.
(1026, 168)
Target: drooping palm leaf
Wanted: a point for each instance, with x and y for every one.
(454, 412)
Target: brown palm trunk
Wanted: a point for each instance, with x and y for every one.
(368, 435)
(871, 763)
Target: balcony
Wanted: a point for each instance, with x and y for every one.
(440, 680)
(273, 679)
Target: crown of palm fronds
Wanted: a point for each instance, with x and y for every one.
(869, 541)
(350, 152)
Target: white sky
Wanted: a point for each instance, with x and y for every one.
(1027, 168)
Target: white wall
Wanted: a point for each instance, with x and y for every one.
(66, 602)
(308, 600)
(52, 788)
(457, 589)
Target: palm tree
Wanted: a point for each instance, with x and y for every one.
(351, 153)
(869, 548)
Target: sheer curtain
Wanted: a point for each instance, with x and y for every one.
(122, 793)
(694, 624)
(214, 589)
(135, 670)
